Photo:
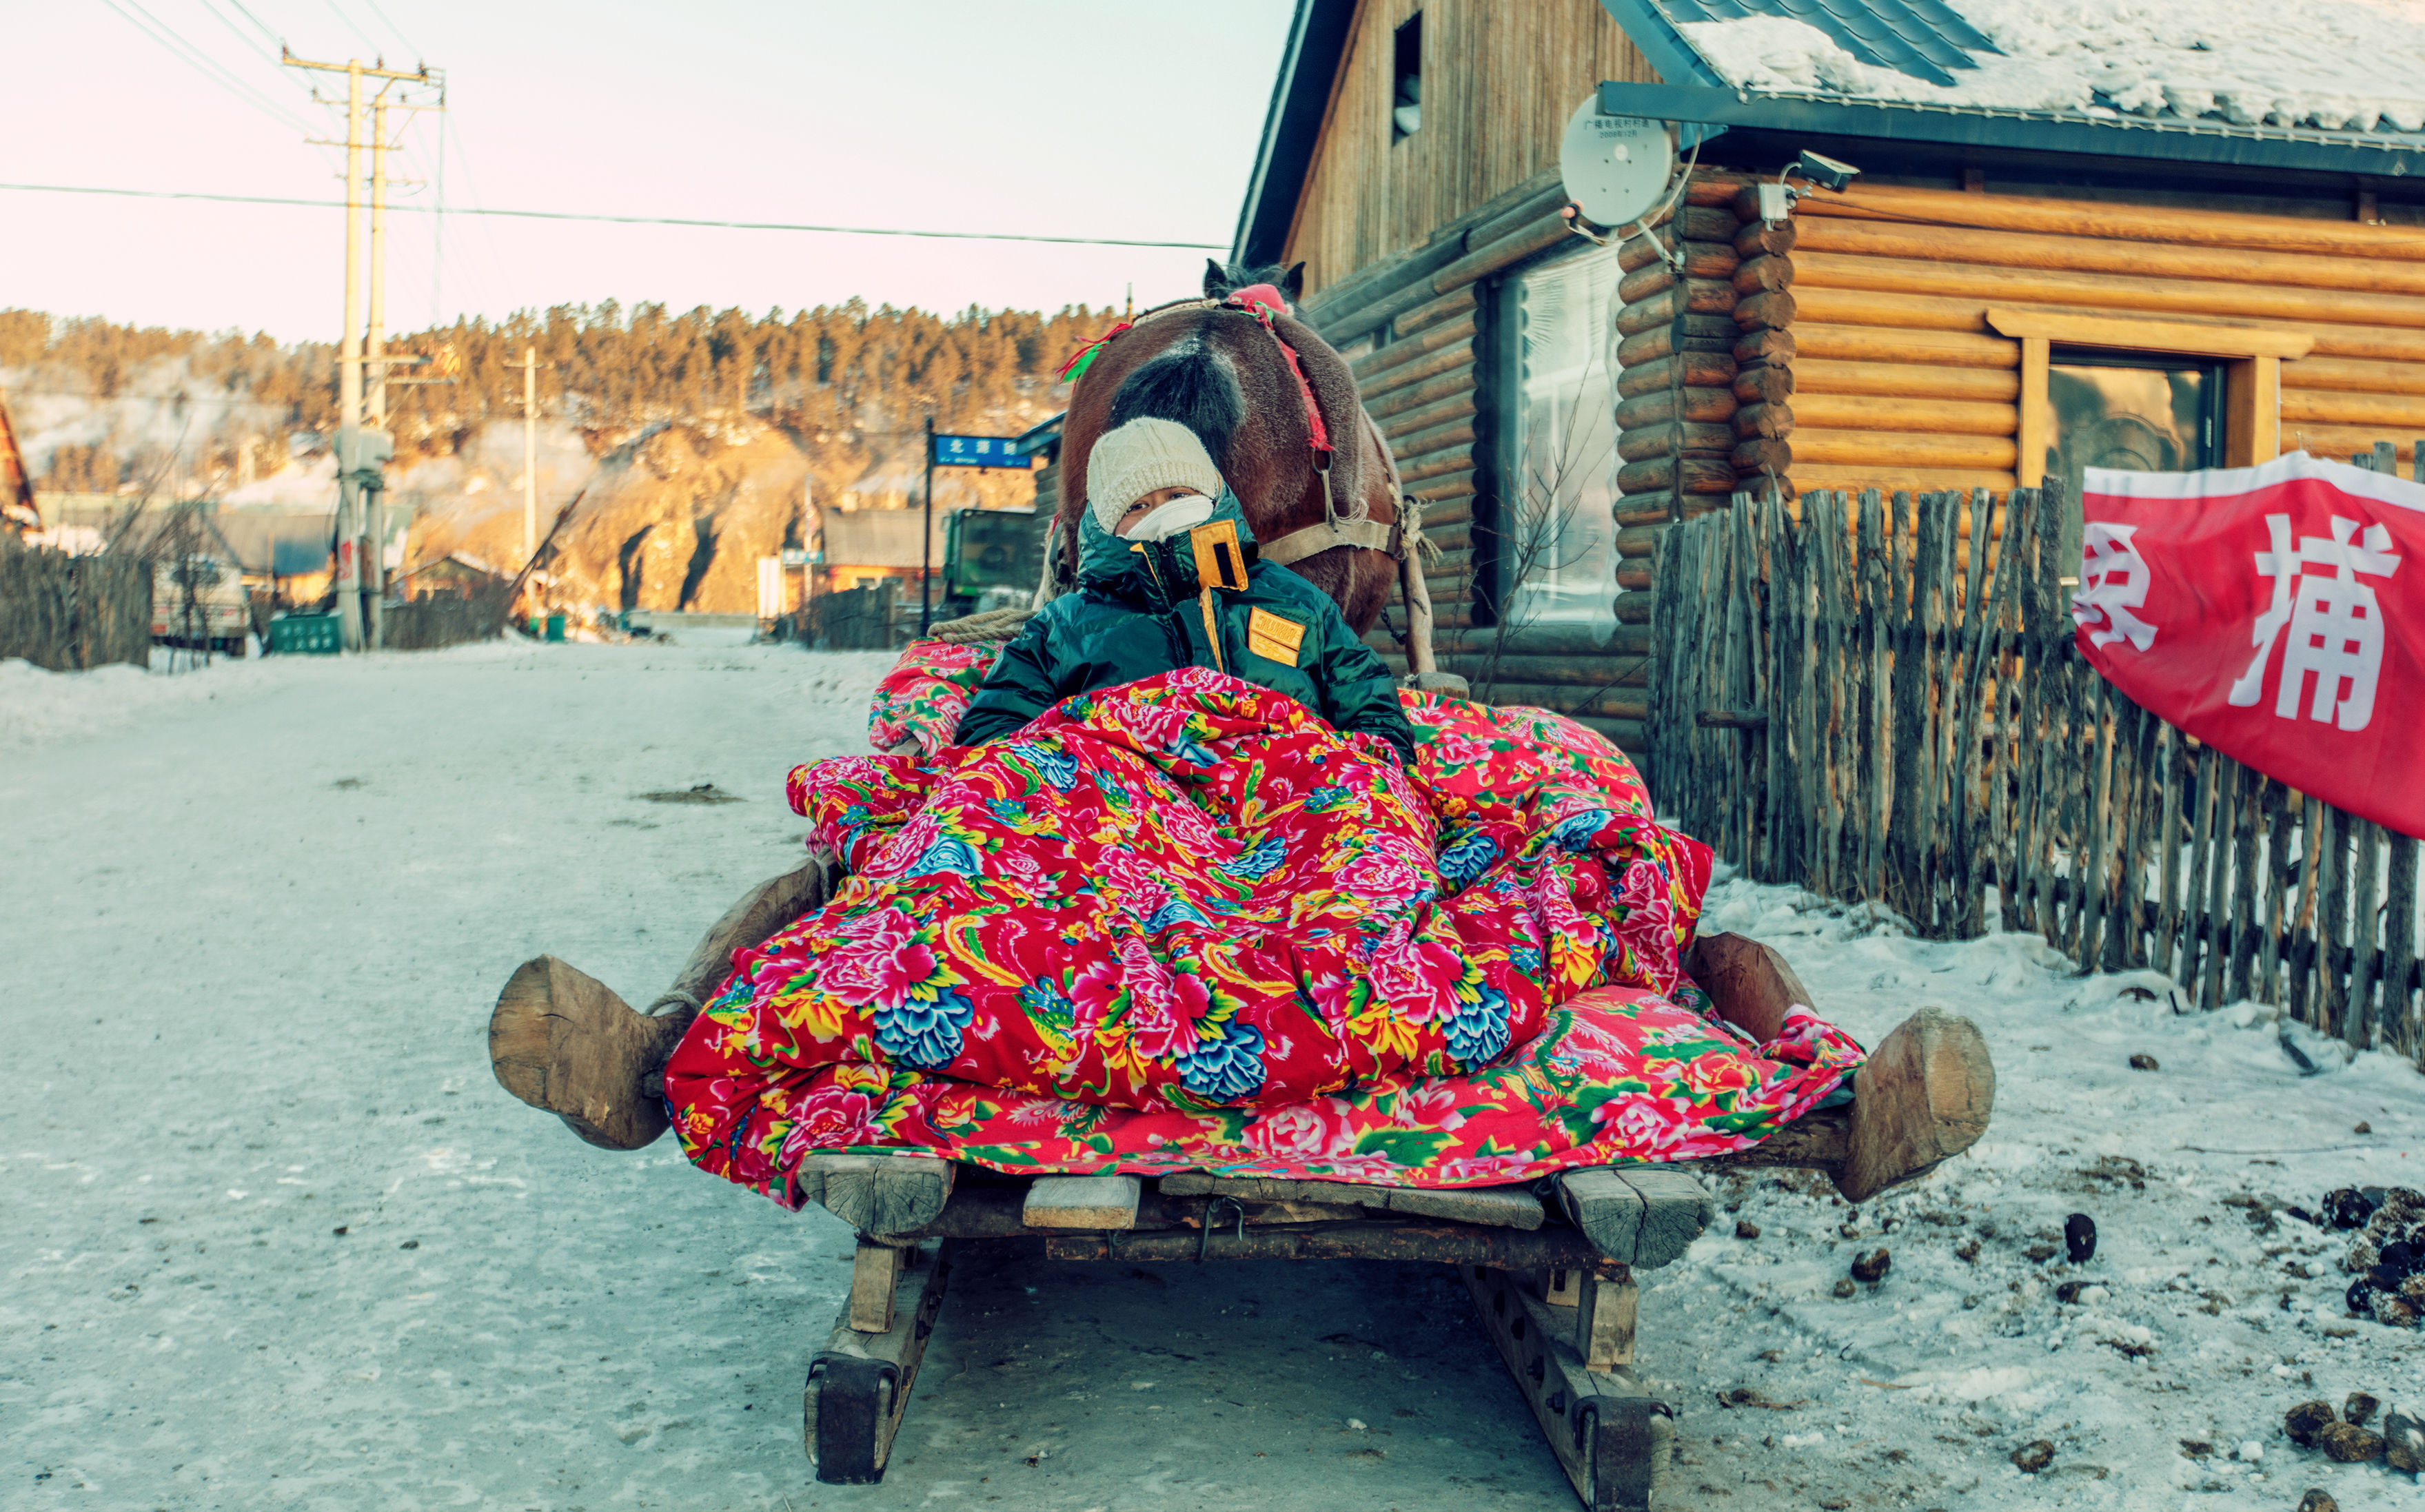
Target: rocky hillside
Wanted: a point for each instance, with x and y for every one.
(702, 439)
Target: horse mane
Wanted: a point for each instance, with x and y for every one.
(1186, 383)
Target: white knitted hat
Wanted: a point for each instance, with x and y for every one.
(1143, 456)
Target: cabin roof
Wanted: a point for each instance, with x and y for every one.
(2349, 65)
(2218, 81)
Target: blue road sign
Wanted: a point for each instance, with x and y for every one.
(980, 451)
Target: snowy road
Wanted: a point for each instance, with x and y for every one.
(274, 1237)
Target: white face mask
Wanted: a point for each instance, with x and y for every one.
(1183, 513)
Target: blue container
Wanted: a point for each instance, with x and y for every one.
(306, 635)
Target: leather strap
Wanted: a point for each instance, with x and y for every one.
(1372, 534)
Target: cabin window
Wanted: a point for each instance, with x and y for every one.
(1406, 84)
(2132, 411)
(1557, 463)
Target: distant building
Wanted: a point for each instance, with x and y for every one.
(863, 547)
(456, 575)
(17, 509)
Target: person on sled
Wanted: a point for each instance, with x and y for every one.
(1169, 577)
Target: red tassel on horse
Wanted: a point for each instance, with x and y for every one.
(1081, 359)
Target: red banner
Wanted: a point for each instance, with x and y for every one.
(2276, 612)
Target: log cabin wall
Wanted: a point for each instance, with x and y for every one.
(1406, 239)
(1896, 376)
(1499, 81)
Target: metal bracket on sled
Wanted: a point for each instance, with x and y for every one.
(859, 1384)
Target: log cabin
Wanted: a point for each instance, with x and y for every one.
(2166, 243)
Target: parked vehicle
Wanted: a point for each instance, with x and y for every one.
(199, 603)
(999, 551)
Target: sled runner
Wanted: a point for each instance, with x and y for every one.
(1550, 1263)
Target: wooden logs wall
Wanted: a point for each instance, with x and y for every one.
(1901, 383)
(1700, 343)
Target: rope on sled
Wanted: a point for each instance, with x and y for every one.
(675, 998)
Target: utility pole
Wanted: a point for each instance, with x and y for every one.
(349, 379)
(927, 538)
(358, 585)
(530, 364)
(375, 564)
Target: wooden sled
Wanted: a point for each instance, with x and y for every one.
(1550, 1263)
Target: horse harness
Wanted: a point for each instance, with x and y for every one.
(1355, 527)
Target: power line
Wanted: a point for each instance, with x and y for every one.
(356, 30)
(393, 27)
(256, 21)
(625, 220)
(203, 63)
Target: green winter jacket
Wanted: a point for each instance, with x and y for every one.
(1137, 612)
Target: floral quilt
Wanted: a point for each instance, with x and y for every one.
(1184, 924)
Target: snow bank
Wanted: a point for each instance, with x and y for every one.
(38, 706)
(2354, 65)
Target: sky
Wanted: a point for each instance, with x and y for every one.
(1118, 119)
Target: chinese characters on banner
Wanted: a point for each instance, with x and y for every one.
(2276, 612)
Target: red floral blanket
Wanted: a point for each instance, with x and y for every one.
(1184, 924)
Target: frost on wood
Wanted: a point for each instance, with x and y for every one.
(2347, 65)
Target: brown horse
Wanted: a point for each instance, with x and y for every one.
(1214, 369)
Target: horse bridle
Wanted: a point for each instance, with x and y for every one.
(1355, 527)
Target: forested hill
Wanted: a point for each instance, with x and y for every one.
(697, 443)
(831, 371)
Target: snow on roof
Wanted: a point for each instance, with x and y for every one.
(2353, 65)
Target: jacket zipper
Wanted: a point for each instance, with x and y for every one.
(1178, 613)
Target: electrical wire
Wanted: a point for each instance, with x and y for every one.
(393, 27)
(202, 62)
(356, 30)
(624, 220)
(256, 23)
(242, 36)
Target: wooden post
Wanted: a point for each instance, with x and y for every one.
(2363, 932)
(2168, 841)
(1605, 1314)
(2268, 986)
(2252, 391)
(2244, 915)
(2198, 930)
(2089, 869)
(2401, 1026)
(2332, 927)
(2125, 906)
(875, 1270)
(2036, 422)
(2303, 989)
(1877, 614)
(2229, 777)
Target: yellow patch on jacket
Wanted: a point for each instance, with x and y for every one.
(1274, 637)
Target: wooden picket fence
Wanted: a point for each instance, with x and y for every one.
(1849, 696)
(68, 612)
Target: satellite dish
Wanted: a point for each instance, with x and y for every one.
(1615, 167)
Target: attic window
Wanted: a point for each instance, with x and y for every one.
(1407, 96)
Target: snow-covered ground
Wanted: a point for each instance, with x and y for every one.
(274, 1237)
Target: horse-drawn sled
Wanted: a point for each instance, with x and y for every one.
(1183, 974)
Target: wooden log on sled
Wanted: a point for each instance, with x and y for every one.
(1550, 1265)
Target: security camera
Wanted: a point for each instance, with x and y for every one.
(1825, 171)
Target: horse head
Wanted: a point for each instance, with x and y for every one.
(1219, 370)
